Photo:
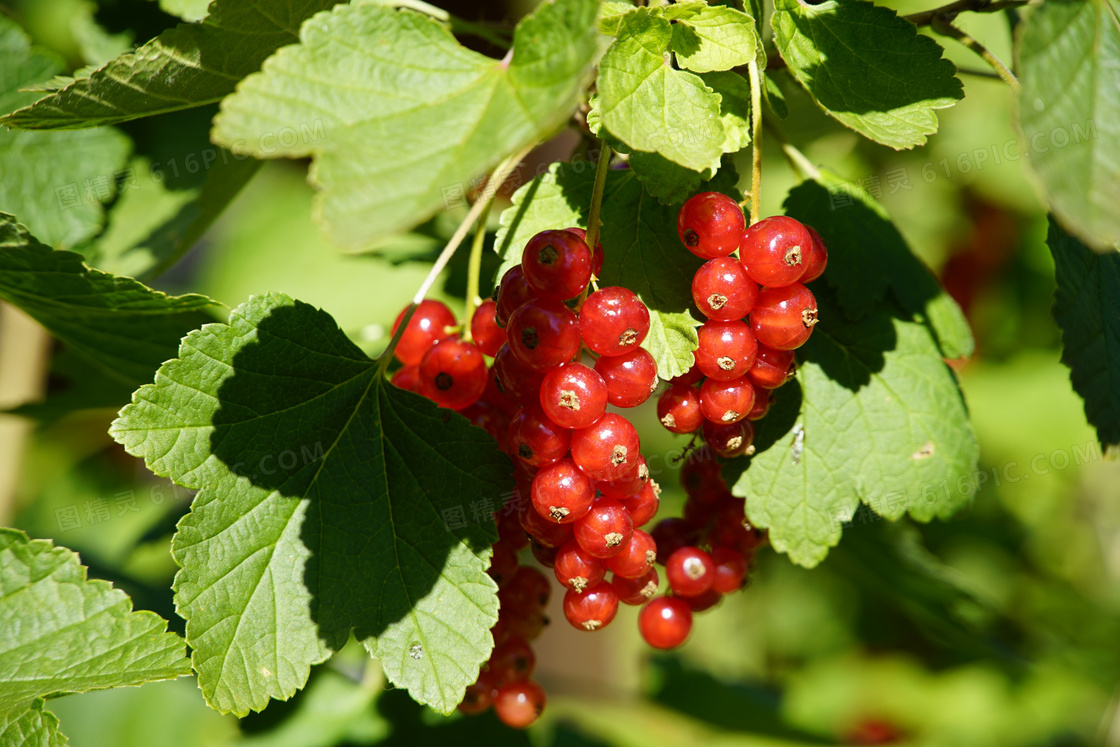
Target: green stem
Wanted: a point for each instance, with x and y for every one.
(945, 27)
(495, 181)
(756, 140)
(593, 220)
(474, 269)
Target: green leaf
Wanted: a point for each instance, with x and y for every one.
(188, 10)
(324, 506)
(61, 633)
(874, 414)
(32, 727)
(870, 259)
(55, 181)
(651, 106)
(734, 108)
(193, 64)
(410, 115)
(714, 38)
(611, 14)
(334, 710)
(122, 327)
(1087, 308)
(639, 237)
(1069, 111)
(867, 67)
(97, 45)
(669, 183)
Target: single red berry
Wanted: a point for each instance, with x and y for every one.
(592, 609)
(573, 395)
(453, 373)
(562, 492)
(544, 531)
(772, 368)
(613, 321)
(692, 376)
(678, 408)
(763, 399)
(500, 629)
(698, 514)
(503, 563)
(690, 571)
(528, 625)
(608, 448)
(817, 259)
(726, 401)
(544, 334)
(730, 570)
(665, 622)
(729, 440)
(700, 474)
(485, 330)
(643, 505)
(513, 291)
(633, 481)
(773, 251)
(527, 591)
(727, 349)
(723, 290)
(576, 569)
(428, 325)
(705, 601)
(510, 530)
(479, 695)
(670, 535)
(710, 224)
(636, 558)
(519, 704)
(596, 251)
(783, 318)
(546, 556)
(630, 378)
(604, 531)
(407, 378)
(557, 265)
(636, 591)
(512, 660)
(514, 378)
(489, 418)
(535, 440)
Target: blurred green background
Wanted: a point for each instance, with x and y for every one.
(1000, 627)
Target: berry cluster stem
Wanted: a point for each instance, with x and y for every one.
(943, 25)
(474, 269)
(756, 140)
(496, 180)
(593, 220)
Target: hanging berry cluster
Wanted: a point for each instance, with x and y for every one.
(758, 312)
(560, 356)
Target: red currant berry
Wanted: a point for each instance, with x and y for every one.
(763, 399)
(670, 535)
(510, 530)
(636, 558)
(630, 378)
(783, 318)
(636, 591)
(665, 622)
(544, 334)
(528, 625)
(692, 376)
(428, 325)
(678, 408)
(771, 368)
(817, 259)
(485, 330)
(573, 395)
(500, 629)
(773, 251)
(727, 349)
(627, 485)
(596, 252)
(729, 440)
(730, 570)
(604, 531)
(722, 289)
(697, 513)
(528, 591)
(562, 492)
(519, 704)
(575, 569)
(700, 475)
(690, 571)
(643, 505)
(608, 448)
(407, 378)
(705, 601)
(544, 531)
(515, 379)
(479, 695)
(592, 609)
(453, 373)
(535, 440)
(513, 292)
(726, 401)
(503, 563)
(546, 556)
(710, 225)
(489, 418)
(613, 321)
(512, 660)
(557, 265)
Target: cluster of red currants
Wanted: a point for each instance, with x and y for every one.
(758, 311)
